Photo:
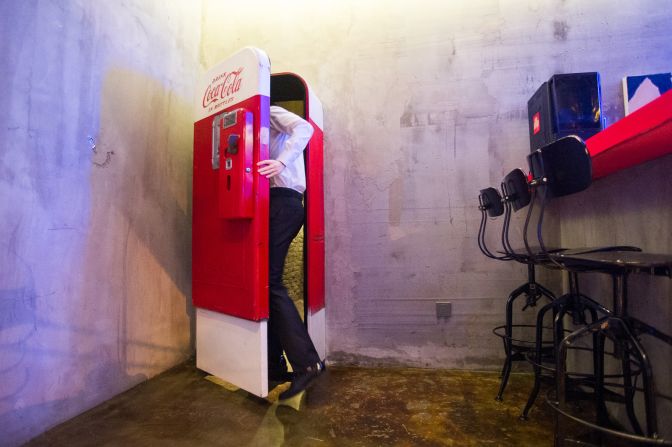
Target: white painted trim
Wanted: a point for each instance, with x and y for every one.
(315, 109)
(233, 349)
(242, 75)
(317, 328)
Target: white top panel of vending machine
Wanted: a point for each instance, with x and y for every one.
(241, 76)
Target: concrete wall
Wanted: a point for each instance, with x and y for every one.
(94, 242)
(425, 103)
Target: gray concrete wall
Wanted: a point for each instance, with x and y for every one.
(94, 243)
(425, 103)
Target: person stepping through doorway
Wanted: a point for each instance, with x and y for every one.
(289, 135)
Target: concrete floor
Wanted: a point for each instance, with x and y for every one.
(345, 407)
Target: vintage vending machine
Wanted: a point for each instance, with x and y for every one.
(230, 216)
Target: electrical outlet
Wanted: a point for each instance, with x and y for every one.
(444, 309)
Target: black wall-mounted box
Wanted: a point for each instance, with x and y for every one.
(568, 104)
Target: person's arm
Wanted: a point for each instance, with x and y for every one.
(270, 168)
(299, 132)
(298, 129)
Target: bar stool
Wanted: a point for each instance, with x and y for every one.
(576, 305)
(492, 204)
(516, 196)
(624, 331)
(559, 169)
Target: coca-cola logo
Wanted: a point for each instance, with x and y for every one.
(222, 86)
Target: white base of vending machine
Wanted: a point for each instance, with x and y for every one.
(318, 333)
(233, 349)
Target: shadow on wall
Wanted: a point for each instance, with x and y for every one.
(121, 307)
(141, 218)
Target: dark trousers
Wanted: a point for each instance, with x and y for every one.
(286, 329)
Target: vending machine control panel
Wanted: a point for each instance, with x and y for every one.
(235, 180)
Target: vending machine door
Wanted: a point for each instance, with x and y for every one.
(230, 221)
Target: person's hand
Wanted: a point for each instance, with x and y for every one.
(270, 168)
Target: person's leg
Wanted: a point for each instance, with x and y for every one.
(275, 356)
(277, 364)
(285, 324)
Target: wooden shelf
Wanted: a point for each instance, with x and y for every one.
(641, 136)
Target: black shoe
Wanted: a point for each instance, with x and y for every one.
(277, 371)
(302, 380)
(275, 375)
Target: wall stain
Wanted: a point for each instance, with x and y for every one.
(408, 118)
(94, 149)
(395, 200)
(108, 159)
(560, 30)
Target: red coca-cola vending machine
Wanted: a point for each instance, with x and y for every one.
(230, 216)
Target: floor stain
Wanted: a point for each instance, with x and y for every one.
(347, 406)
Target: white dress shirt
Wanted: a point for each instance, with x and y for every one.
(289, 136)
